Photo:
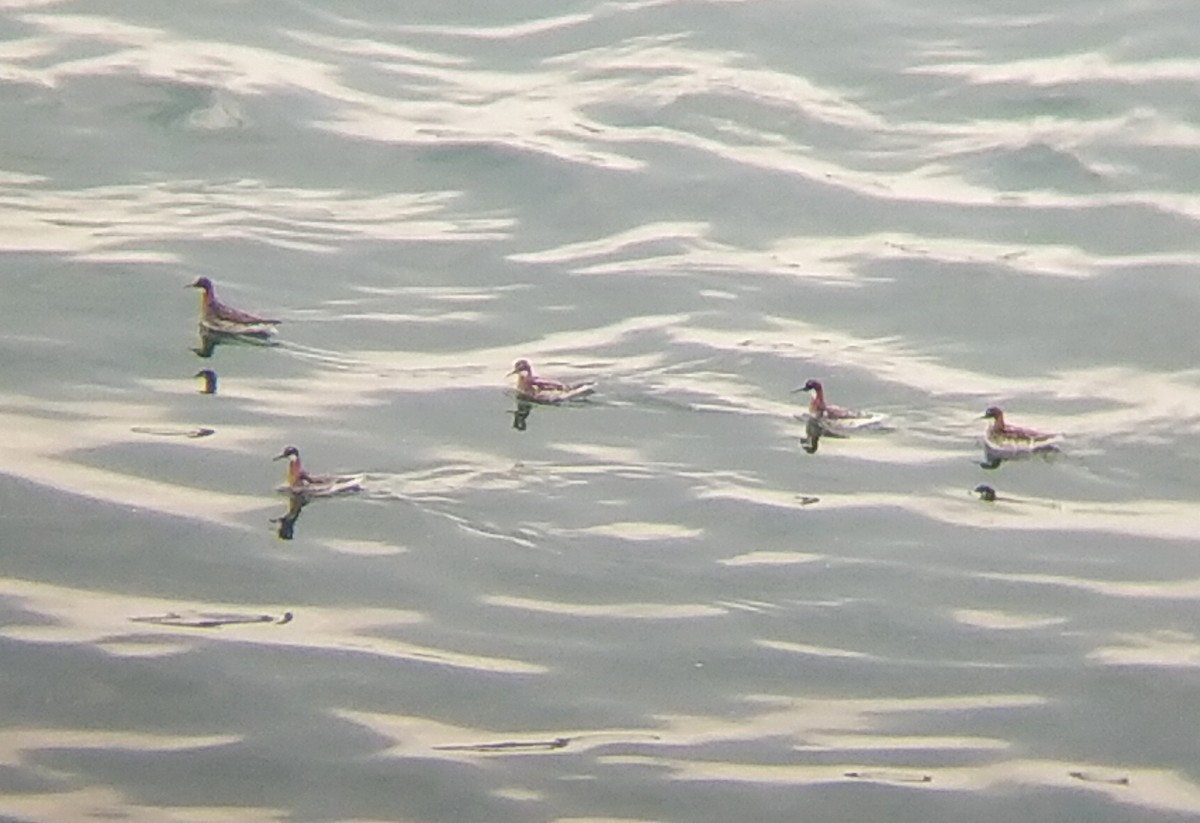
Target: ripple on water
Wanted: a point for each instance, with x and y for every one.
(1005, 621)
(609, 611)
(1166, 648)
(772, 558)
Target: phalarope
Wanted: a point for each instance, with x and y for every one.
(218, 317)
(543, 390)
(836, 418)
(300, 481)
(1004, 436)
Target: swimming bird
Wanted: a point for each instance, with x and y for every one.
(1002, 435)
(219, 317)
(836, 420)
(543, 390)
(300, 481)
(817, 407)
(210, 381)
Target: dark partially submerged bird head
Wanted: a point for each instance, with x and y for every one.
(986, 493)
(210, 380)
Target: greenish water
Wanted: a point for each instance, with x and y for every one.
(655, 604)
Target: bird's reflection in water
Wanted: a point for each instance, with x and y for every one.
(208, 343)
(813, 430)
(286, 525)
(994, 458)
(210, 381)
(521, 414)
(209, 340)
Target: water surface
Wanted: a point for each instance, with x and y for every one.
(654, 605)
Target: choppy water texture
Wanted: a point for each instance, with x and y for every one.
(657, 604)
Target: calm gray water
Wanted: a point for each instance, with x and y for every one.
(655, 605)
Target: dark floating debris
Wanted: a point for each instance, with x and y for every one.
(209, 620)
(167, 431)
(1093, 778)
(548, 745)
(891, 777)
(510, 745)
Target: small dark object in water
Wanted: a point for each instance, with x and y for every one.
(208, 620)
(165, 431)
(210, 381)
(1091, 778)
(986, 493)
(510, 745)
(891, 777)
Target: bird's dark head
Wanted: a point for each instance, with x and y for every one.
(201, 283)
(288, 451)
(210, 380)
(521, 367)
(985, 492)
(992, 413)
(811, 385)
